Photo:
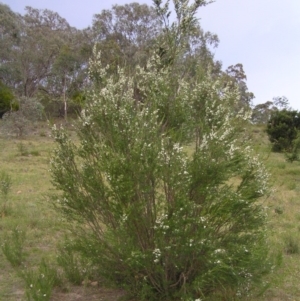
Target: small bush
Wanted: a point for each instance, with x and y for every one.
(291, 244)
(5, 188)
(75, 268)
(291, 185)
(282, 129)
(43, 134)
(281, 165)
(39, 283)
(34, 153)
(22, 149)
(278, 210)
(22, 121)
(13, 247)
(293, 155)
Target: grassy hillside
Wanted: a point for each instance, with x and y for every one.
(28, 210)
(284, 219)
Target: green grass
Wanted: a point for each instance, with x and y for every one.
(26, 161)
(29, 209)
(284, 219)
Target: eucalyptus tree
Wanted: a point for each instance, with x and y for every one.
(10, 29)
(41, 55)
(126, 33)
(34, 41)
(262, 112)
(43, 35)
(68, 78)
(235, 75)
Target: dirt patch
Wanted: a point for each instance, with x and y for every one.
(88, 294)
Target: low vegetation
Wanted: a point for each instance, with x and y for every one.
(32, 229)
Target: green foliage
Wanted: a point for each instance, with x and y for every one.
(5, 188)
(151, 218)
(120, 42)
(261, 113)
(282, 130)
(278, 210)
(161, 222)
(22, 149)
(75, 268)
(44, 57)
(13, 246)
(39, 283)
(78, 99)
(34, 153)
(235, 75)
(291, 243)
(294, 153)
(6, 99)
(21, 121)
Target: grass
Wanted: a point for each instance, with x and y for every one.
(29, 209)
(26, 162)
(284, 217)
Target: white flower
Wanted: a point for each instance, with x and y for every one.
(157, 253)
(219, 251)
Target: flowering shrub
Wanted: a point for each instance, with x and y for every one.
(163, 190)
(166, 209)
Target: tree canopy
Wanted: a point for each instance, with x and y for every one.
(283, 128)
(46, 58)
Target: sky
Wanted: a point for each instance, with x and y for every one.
(263, 35)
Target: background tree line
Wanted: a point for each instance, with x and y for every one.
(44, 59)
